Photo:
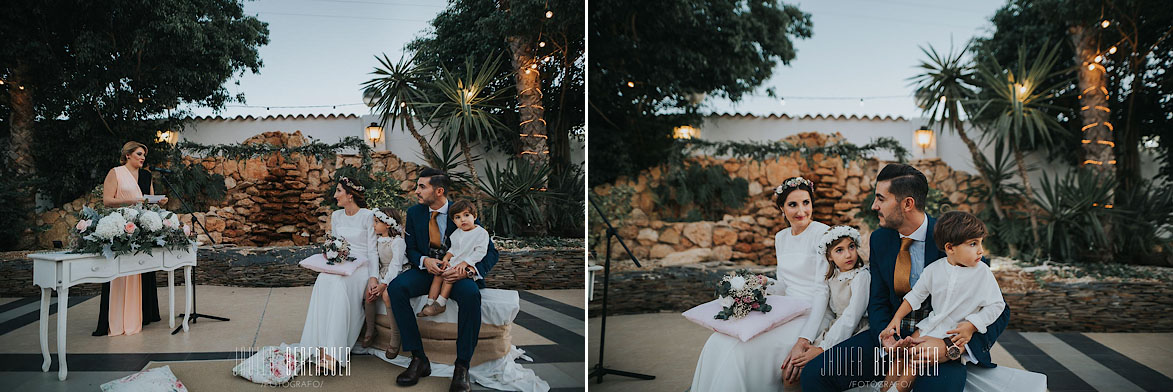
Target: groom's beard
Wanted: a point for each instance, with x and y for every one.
(893, 221)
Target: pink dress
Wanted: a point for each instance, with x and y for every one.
(126, 293)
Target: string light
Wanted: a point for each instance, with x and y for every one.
(542, 44)
(21, 87)
(942, 100)
(550, 14)
(1, 82)
(1091, 67)
(1099, 58)
(1105, 24)
(534, 65)
(630, 84)
(1112, 50)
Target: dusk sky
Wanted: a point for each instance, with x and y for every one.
(860, 48)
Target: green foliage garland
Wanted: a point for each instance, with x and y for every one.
(760, 151)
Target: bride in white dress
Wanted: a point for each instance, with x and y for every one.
(335, 315)
(728, 364)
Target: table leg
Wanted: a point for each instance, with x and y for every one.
(171, 297)
(46, 296)
(62, 311)
(187, 306)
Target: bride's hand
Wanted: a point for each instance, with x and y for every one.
(799, 348)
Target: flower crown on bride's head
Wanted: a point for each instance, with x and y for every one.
(351, 184)
(388, 220)
(834, 234)
(793, 183)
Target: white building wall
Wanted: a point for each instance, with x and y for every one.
(332, 129)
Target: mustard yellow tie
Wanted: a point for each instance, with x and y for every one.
(435, 239)
(903, 267)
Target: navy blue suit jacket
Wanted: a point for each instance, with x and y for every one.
(884, 245)
(417, 240)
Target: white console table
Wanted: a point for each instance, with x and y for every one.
(61, 270)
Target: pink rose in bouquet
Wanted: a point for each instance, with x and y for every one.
(130, 227)
(82, 225)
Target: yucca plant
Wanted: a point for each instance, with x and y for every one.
(1074, 205)
(399, 91)
(448, 159)
(944, 90)
(1017, 110)
(466, 108)
(514, 196)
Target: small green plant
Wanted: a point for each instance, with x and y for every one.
(616, 205)
(1073, 208)
(387, 192)
(696, 192)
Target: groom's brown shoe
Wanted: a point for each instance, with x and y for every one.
(419, 367)
(460, 381)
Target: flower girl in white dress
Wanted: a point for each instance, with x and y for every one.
(392, 258)
(850, 283)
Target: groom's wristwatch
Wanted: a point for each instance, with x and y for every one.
(951, 350)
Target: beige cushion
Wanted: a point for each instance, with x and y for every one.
(439, 339)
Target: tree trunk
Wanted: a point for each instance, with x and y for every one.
(528, 82)
(1093, 100)
(425, 147)
(20, 156)
(980, 160)
(1098, 140)
(472, 170)
(1030, 207)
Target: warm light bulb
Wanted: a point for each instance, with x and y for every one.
(1, 82)
(1099, 58)
(140, 100)
(550, 14)
(630, 84)
(1091, 67)
(1112, 50)
(403, 104)
(942, 99)
(534, 65)
(1105, 23)
(22, 87)
(542, 44)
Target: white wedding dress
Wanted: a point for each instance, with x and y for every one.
(335, 315)
(728, 364)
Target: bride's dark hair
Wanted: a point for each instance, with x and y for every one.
(359, 198)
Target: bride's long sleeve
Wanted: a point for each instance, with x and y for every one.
(846, 324)
(372, 246)
(814, 320)
(779, 286)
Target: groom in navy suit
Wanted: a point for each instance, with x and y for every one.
(899, 252)
(429, 227)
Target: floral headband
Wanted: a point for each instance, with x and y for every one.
(388, 220)
(793, 183)
(834, 234)
(351, 184)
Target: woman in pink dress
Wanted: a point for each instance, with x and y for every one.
(121, 189)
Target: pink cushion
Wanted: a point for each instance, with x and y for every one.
(783, 309)
(318, 263)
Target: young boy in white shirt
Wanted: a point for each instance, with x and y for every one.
(469, 245)
(963, 289)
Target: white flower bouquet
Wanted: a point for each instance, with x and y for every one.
(135, 229)
(742, 292)
(336, 250)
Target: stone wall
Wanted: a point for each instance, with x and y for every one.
(746, 235)
(220, 265)
(270, 201)
(1052, 306)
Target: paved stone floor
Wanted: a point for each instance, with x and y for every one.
(550, 329)
(667, 346)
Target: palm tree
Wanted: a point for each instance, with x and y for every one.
(1018, 111)
(400, 91)
(940, 89)
(465, 107)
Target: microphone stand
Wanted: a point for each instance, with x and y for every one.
(599, 370)
(195, 316)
